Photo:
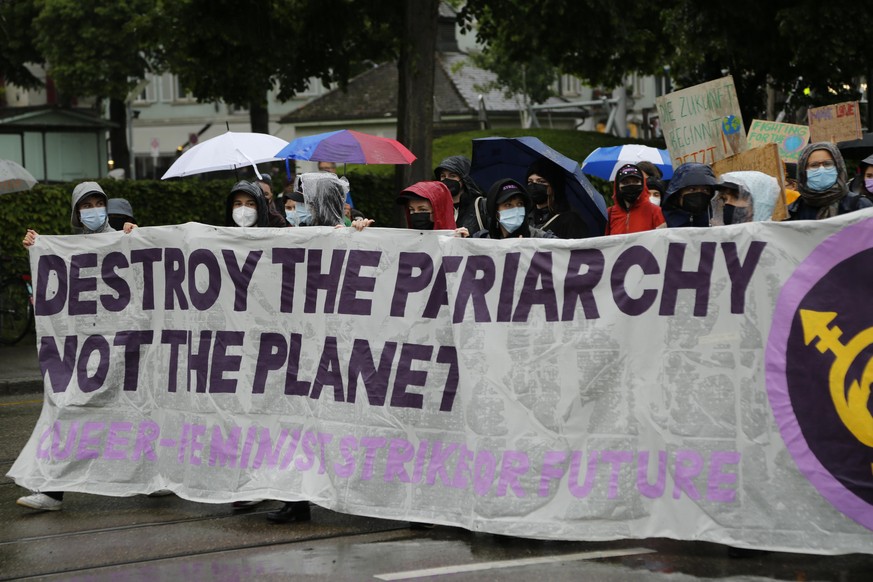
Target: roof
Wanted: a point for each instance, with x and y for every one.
(373, 94)
(51, 117)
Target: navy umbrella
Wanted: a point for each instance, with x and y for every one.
(495, 158)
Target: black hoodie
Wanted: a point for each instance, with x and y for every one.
(255, 192)
(466, 209)
(491, 202)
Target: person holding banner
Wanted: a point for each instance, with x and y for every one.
(454, 172)
(428, 206)
(89, 215)
(508, 205)
(545, 183)
(632, 211)
(688, 197)
(821, 181)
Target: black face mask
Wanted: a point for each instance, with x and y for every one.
(539, 193)
(728, 213)
(117, 222)
(630, 192)
(696, 202)
(453, 185)
(421, 221)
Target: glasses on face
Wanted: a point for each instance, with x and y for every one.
(816, 165)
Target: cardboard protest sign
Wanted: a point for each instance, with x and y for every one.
(702, 123)
(645, 385)
(790, 137)
(833, 123)
(762, 159)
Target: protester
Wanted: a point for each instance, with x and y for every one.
(246, 206)
(732, 204)
(88, 213)
(467, 200)
(508, 205)
(546, 185)
(323, 196)
(291, 209)
(650, 170)
(862, 183)
(632, 211)
(428, 206)
(821, 181)
(120, 211)
(331, 168)
(689, 195)
(274, 218)
(763, 191)
(656, 189)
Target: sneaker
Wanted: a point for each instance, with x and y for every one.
(160, 493)
(247, 503)
(40, 501)
(292, 511)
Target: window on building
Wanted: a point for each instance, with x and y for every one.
(182, 96)
(150, 93)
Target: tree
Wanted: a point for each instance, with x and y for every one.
(533, 79)
(238, 50)
(760, 43)
(16, 44)
(773, 45)
(600, 42)
(100, 48)
(415, 92)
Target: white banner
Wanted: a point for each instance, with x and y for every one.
(698, 384)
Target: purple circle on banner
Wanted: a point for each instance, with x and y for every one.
(828, 283)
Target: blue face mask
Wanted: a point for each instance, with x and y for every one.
(820, 179)
(291, 217)
(512, 218)
(93, 218)
(304, 217)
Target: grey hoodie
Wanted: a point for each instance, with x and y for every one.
(80, 192)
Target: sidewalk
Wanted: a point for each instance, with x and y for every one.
(19, 368)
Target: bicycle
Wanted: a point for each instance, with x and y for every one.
(16, 305)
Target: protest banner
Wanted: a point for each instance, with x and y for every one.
(834, 123)
(790, 137)
(632, 386)
(762, 159)
(702, 123)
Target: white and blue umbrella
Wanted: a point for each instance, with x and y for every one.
(605, 162)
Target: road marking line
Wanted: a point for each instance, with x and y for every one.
(21, 402)
(446, 570)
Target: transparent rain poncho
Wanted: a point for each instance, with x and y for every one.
(325, 196)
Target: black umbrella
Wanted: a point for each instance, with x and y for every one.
(857, 149)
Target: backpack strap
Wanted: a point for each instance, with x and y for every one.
(549, 221)
(478, 213)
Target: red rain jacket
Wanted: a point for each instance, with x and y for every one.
(440, 200)
(641, 216)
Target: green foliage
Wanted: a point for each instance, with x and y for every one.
(237, 50)
(600, 42)
(16, 43)
(99, 48)
(46, 208)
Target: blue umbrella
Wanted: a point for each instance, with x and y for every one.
(495, 158)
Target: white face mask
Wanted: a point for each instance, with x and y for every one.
(245, 216)
(656, 200)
